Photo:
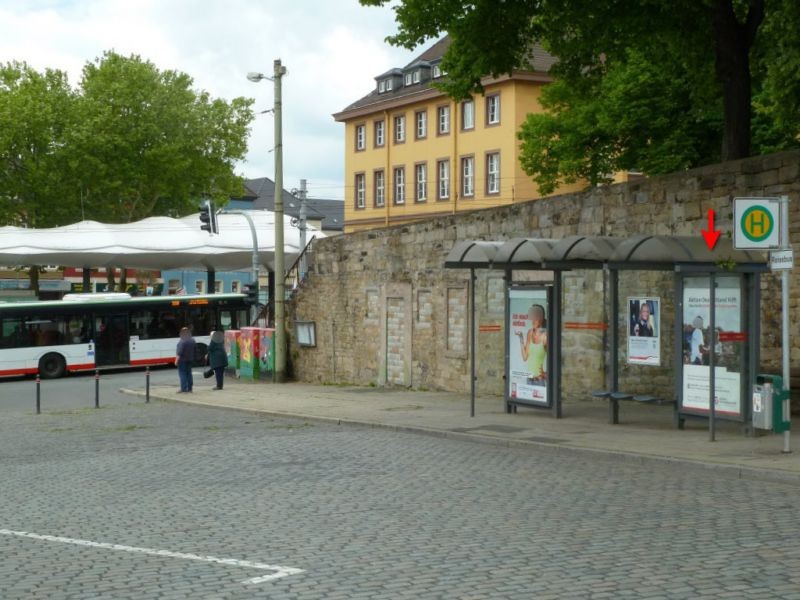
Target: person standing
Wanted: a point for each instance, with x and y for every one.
(217, 357)
(184, 359)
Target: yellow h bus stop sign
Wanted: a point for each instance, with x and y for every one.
(756, 223)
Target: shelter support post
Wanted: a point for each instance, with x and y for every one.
(87, 280)
(613, 405)
(555, 346)
(677, 357)
(472, 382)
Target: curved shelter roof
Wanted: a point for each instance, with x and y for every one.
(153, 243)
(637, 252)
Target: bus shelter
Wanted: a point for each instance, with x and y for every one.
(715, 300)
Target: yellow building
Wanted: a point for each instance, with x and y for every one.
(411, 152)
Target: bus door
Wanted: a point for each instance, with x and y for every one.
(111, 340)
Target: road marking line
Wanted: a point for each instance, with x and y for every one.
(280, 571)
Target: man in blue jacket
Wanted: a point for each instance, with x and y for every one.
(184, 358)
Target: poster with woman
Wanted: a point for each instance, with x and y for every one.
(527, 356)
(644, 331)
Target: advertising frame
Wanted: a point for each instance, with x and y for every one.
(519, 389)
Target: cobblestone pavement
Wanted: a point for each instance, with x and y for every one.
(365, 513)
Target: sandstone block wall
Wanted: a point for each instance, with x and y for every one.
(387, 312)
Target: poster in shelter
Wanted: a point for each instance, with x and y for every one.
(697, 340)
(527, 360)
(644, 331)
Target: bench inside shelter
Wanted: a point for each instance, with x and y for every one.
(614, 398)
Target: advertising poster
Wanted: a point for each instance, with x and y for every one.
(527, 356)
(644, 331)
(697, 340)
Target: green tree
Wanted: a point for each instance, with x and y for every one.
(649, 84)
(148, 144)
(36, 181)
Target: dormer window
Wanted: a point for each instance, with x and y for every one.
(388, 85)
(408, 78)
(437, 71)
(415, 76)
(381, 86)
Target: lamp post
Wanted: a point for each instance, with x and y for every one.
(280, 270)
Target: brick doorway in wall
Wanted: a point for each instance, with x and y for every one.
(396, 335)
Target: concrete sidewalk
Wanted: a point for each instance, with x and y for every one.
(645, 433)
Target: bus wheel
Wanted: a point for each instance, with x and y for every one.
(52, 366)
(200, 351)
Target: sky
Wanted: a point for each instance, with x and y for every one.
(332, 50)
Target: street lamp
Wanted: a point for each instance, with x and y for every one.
(280, 269)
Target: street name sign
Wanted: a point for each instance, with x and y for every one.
(781, 260)
(756, 223)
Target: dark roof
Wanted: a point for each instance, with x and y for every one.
(261, 192)
(539, 61)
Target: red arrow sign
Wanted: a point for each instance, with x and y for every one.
(711, 236)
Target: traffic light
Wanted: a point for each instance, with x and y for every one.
(208, 217)
(251, 292)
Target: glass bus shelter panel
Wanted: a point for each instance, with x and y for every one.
(728, 341)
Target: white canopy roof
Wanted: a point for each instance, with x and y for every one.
(154, 243)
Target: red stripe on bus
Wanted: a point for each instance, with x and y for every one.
(29, 371)
(154, 361)
(83, 367)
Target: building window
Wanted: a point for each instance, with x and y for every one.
(381, 86)
(443, 114)
(421, 182)
(380, 133)
(399, 185)
(468, 114)
(380, 188)
(199, 286)
(361, 190)
(422, 124)
(493, 173)
(388, 85)
(416, 76)
(217, 286)
(408, 78)
(443, 183)
(437, 71)
(361, 137)
(493, 109)
(236, 286)
(399, 129)
(468, 176)
(173, 286)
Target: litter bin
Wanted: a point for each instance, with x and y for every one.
(768, 397)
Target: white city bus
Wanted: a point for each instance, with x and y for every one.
(88, 331)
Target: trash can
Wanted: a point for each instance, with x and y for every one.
(768, 397)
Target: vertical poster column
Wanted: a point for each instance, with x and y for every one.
(232, 337)
(528, 356)
(728, 341)
(249, 349)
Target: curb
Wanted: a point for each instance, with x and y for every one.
(729, 470)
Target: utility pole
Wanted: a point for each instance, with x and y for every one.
(280, 270)
(302, 227)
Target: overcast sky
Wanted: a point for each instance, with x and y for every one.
(332, 49)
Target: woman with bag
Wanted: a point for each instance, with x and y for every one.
(217, 358)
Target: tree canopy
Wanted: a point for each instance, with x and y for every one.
(653, 85)
(130, 141)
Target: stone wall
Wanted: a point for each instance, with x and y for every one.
(387, 312)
